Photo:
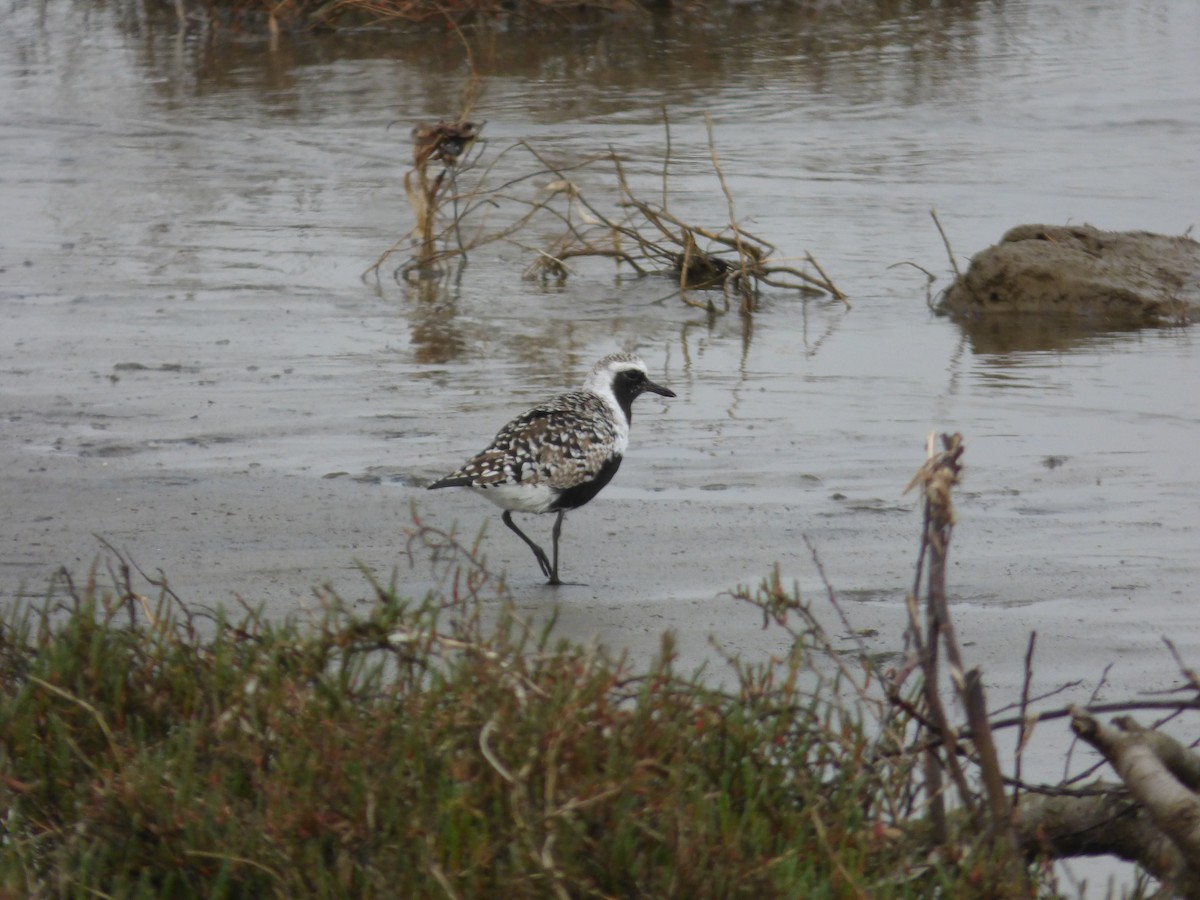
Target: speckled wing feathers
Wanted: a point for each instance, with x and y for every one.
(560, 444)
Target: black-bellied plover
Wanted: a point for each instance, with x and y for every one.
(561, 453)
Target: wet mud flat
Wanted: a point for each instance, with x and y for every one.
(652, 553)
(252, 471)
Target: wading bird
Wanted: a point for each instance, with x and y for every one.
(560, 454)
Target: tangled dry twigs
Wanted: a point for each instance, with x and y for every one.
(648, 237)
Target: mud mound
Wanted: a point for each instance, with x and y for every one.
(1126, 277)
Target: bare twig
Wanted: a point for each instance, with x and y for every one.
(1186, 671)
(975, 704)
(826, 281)
(946, 241)
(1027, 722)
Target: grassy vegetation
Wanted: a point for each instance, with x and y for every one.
(440, 747)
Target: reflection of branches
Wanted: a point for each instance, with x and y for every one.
(646, 236)
(436, 331)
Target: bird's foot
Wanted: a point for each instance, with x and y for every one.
(555, 581)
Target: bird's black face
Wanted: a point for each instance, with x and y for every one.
(628, 384)
(633, 382)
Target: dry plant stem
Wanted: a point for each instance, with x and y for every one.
(818, 634)
(823, 837)
(1189, 673)
(674, 233)
(975, 704)
(746, 292)
(937, 712)
(882, 712)
(831, 596)
(1061, 827)
(615, 228)
(666, 154)
(646, 237)
(1027, 722)
(929, 761)
(448, 143)
(439, 874)
(1022, 721)
(484, 198)
(946, 242)
(1181, 762)
(825, 282)
(240, 860)
(689, 246)
(935, 478)
(1091, 704)
(113, 747)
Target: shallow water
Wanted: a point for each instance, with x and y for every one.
(188, 349)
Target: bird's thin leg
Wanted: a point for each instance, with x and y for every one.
(555, 533)
(537, 551)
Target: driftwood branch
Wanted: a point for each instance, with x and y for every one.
(1107, 823)
(1151, 818)
(1162, 776)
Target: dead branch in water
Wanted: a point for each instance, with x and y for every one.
(646, 236)
(428, 191)
(651, 239)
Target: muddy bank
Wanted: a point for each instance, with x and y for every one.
(1082, 273)
(640, 559)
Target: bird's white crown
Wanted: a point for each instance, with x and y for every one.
(600, 379)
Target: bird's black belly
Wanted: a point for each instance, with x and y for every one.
(572, 498)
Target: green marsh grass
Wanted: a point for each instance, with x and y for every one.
(435, 747)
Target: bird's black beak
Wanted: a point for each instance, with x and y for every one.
(649, 385)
